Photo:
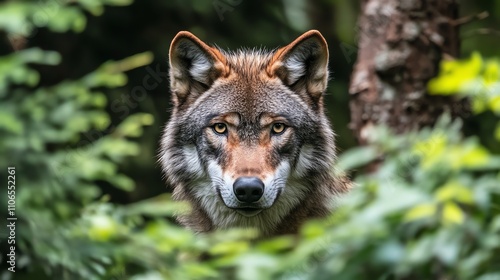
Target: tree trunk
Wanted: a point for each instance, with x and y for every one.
(400, 45)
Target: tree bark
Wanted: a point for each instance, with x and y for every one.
(401, 43)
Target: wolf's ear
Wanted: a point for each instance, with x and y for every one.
(194, 66)
(303, 65)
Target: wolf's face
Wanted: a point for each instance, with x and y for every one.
(248, 137)
(248, 133)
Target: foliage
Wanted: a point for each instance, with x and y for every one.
(21, 18)
(430, 210)
(61, 142)
(473, 77)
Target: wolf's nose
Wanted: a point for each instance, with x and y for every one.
(248, 189)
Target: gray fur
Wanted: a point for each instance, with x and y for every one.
(296, 166)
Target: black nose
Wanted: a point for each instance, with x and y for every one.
(248, 189)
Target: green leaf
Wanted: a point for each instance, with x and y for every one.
(452, 214)
(474, 156)
(357, 157)
(494, 104)
(454, 75)
(102, 228)
(497, 132)
(229, 248)
(10, 123)
(200, 271)
(161, 205)
(491, 72)
(454, 191)
(132, 126)
(431, 149)
(122, 182)
(276, 244)
(420, 212)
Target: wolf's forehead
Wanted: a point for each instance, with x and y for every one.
(249, 91)
(250, 100)
(248, 63)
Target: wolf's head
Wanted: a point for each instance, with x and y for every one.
(248, 140)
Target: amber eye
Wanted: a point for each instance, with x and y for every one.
(278, 128)
(220, 128)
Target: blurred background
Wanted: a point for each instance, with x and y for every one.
(84, 92)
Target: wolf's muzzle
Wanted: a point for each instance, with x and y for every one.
(248, 189)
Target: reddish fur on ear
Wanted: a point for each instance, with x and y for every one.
(194, 66)
(284, 51)
(306, 58)
(215, 53)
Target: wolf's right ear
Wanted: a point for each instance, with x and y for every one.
(194, 66)
(303, 65)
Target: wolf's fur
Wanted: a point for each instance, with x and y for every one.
(249, 91)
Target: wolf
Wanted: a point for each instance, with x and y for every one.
(248, 143)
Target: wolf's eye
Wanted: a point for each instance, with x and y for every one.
(278, 128)
(220, 128)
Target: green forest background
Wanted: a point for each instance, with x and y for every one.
(81, 126)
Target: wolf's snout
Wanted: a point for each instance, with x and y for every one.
(248, 189)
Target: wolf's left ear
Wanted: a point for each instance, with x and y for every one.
(194, 66)
(303, 65)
